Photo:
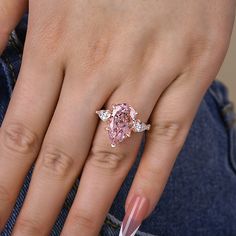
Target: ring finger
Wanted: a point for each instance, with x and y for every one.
(106, 167)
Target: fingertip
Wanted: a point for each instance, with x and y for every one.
(137, 210)
(139, 193)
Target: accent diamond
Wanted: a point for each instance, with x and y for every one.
(140, 126)
(104, 115)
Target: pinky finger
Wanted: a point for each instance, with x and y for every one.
(10, 14)
(171, 121)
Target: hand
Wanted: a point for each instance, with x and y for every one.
(10, 13)
(158, 56)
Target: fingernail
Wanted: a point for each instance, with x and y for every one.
(134, 216)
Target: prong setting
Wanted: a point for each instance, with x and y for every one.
(121, 122)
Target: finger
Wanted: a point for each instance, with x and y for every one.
(63, 153)
(106, 167)
(104, 171)
(171, 120)
(10, 14)
(29, 112)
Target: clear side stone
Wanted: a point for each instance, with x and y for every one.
(139, 126)
(104, 115)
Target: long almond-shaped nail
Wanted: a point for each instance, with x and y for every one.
(137, 210)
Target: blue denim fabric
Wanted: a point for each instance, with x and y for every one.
(200, 196)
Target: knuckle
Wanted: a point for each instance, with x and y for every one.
(28, 226)
(47, 35)
(169, 132)
(18, 138)
(106, 159)
(56, 162)
(208, 48)
(197, 50)
(84, 220)
(98, 50)
(5, 195)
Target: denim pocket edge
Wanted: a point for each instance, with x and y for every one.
(220, 94)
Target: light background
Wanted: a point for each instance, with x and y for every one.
(227, 73)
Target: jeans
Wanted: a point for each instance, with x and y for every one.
(200, 196)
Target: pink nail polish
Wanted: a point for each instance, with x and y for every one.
(137, 210)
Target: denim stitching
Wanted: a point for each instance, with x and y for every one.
(17, 50)
(16, 43)
(13, 44)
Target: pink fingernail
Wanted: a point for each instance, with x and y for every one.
(137, 210)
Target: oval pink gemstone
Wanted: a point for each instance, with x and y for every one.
(121, 122)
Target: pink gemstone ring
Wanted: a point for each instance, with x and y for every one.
(121, 122)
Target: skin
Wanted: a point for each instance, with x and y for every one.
(10, 13)
(158, 56)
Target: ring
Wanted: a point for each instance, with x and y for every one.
(121, 122)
